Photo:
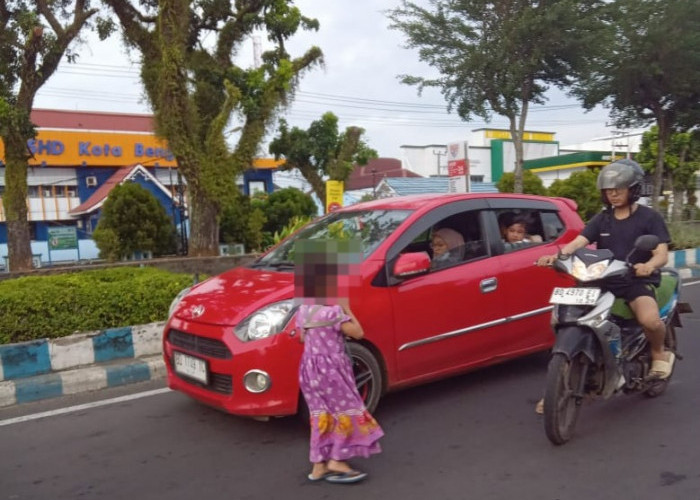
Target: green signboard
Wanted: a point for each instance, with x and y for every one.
(63, 238)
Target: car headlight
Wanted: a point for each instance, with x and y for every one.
(581, 272)
(177, 299)
(270, 320)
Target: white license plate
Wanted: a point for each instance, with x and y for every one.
(190, 366)
(575, 296)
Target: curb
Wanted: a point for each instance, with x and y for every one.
(48, 368)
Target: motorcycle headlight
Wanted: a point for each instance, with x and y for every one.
(177, 299)
(265, 322)
(581, 272)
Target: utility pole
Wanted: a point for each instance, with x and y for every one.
(439, 154)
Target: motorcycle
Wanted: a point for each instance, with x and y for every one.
(600, 349)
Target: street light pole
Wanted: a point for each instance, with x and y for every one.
(439, 154)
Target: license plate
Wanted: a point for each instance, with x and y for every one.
(190, 366)
(575, 296)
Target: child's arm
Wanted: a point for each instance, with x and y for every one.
(351, 328)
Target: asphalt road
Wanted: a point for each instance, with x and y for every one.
(474, 436)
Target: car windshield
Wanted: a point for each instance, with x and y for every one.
(370, 226)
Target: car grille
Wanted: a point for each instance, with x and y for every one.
(200, 345)
(218, 382)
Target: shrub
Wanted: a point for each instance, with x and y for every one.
(684, 235)
(40, 307)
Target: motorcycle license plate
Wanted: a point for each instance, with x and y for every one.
(575, 296)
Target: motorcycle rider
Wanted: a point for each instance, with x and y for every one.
(616, 228)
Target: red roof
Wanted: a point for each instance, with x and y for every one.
(368, 176)
(92, 120)
(102, 192)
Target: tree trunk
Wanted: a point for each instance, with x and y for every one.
(19, 248)
(517, 136)
(664, 133)
(204, 226)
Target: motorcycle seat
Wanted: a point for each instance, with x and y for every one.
(664, 293)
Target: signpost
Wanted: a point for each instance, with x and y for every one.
(63, 238)
(457, 167)
(334, 195)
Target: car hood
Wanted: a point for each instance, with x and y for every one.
(230, 297)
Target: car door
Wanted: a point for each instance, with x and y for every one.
(449, 318)
(525, 287)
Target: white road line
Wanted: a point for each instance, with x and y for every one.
(86, 406)
(691, 283)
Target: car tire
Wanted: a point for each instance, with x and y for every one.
(368, 374)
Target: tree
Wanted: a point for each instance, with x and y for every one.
(243, 223)
(321, 152)
(132, 220)
(195, 88)
(283, 205)
(34, 37)
(498, 56)
(582, 187)
(647, 70)
(531, 183)
(681, 163)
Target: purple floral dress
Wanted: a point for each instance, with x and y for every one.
(341, 426)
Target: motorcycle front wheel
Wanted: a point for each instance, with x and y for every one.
(563, 396)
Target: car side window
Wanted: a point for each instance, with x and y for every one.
(552, 226)
(522, 228)
(456, 239)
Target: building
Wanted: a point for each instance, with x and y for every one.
(490, 152)
(79, 156)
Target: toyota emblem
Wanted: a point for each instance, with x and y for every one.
(197, 311)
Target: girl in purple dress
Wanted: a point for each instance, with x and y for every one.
(341, 426)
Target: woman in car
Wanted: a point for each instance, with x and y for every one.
(448, 248)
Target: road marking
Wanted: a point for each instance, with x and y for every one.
(86, 406)
(691, 283)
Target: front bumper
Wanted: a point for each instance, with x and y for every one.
(228, 360)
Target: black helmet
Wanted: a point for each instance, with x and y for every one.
(621, 174)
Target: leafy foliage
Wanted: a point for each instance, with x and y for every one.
(532, 184)
(681, 163)
(498, 56)
(283, 205)
(243, 223)
(647, 68)
(34, 37)
(580, 187)
(133, 220)
(321, 152)
(55, 306)
(198, 92)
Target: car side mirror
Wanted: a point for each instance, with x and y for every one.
(646, 243)
(411, 264)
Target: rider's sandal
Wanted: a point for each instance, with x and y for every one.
(661, 369)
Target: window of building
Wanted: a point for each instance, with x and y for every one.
(46, 192)
(33, 191)
(255, 187)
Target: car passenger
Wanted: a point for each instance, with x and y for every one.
(448, 248)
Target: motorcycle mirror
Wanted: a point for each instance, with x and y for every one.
(646, 243)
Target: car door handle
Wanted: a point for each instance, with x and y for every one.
(488, 285)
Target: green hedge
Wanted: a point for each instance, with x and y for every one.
(59, 305)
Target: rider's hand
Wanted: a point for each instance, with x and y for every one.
(643, 269)
(546, 260)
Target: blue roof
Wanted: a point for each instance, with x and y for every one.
(404, 186)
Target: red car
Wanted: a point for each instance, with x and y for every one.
(231, 343)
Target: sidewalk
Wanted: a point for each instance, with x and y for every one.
(49, 368)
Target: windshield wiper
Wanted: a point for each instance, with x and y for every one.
(274, 264)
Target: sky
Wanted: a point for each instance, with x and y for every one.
(359, 83)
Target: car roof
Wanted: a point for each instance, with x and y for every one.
(414, 202)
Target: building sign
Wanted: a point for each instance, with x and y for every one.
(62, 238)
(61, 148)
(334, 195)
(457, 167)
(527, 136)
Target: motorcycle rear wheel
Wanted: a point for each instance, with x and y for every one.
(561, 405)
(658, 387)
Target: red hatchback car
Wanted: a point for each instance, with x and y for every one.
(230, 341)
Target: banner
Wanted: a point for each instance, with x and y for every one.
(62, 238)
(334, 195)
(458, 167)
